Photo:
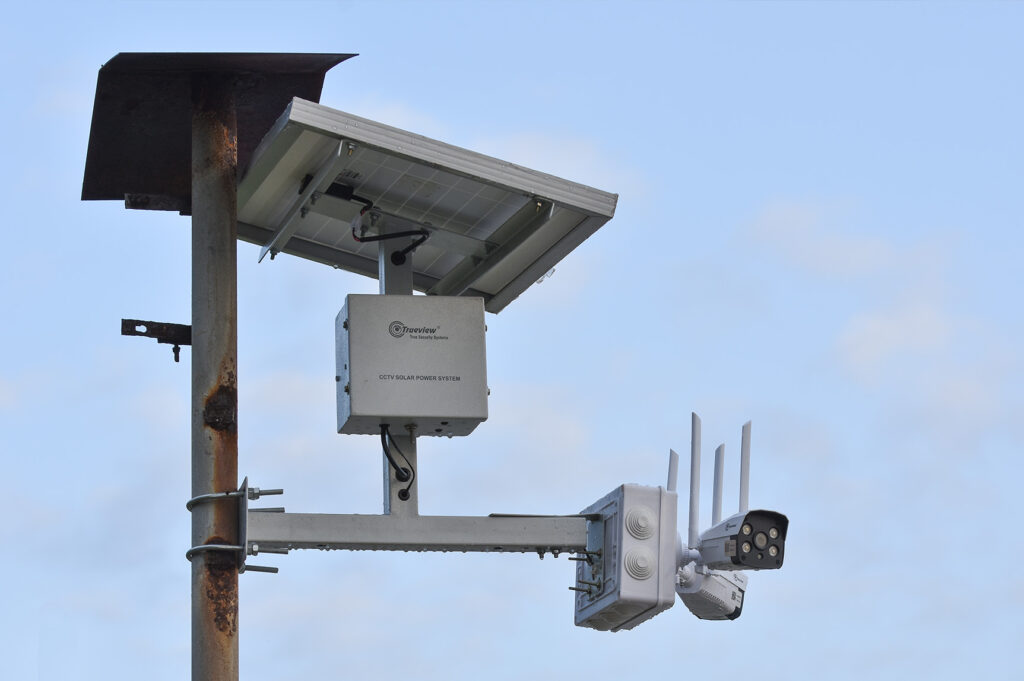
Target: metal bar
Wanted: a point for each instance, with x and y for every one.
(163, 332)
(214, 371)
(325, 174)
(400, 498)
(259, 568)
(514, 534)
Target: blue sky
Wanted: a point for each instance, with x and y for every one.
(819, 229)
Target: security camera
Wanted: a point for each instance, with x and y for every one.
(709, 580)
(755, 540)
(635, 557)
(711, 594)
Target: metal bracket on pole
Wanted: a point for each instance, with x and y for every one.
(164, 332)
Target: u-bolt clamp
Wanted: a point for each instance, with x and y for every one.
(244, 493)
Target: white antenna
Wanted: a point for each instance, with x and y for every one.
(694, 535)
(716, 504)
(673, 470)
(745, 467)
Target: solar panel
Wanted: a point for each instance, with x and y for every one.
(323, 182)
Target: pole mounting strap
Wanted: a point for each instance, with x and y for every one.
(213, 496)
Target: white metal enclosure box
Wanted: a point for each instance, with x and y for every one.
(416, 360)
(633, 579)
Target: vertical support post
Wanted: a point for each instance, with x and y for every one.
(397, 280)
(214, 376)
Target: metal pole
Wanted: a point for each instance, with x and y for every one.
(397, 280)
(214, 376)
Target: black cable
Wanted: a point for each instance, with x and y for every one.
(421, 233)
(402, 474)
(397, 257)
(347, 193)
(403, 493)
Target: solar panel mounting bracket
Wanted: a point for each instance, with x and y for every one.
(307, 197)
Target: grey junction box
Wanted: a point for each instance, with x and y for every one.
(411, 360)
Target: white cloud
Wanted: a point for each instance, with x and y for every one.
(162, 407)
(871, 340)
(799, 232)
(7, 394)
(911, 334)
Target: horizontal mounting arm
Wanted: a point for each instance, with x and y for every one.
(514, 534)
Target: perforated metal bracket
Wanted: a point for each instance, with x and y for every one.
(164, 332)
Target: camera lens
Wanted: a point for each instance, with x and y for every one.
(760, 540)
(746, 529)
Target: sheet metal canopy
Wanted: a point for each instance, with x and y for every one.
(140, 141)
(321, 177)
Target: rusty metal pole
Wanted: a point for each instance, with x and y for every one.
(214, 376)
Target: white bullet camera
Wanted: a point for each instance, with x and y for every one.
(709, 580)
(755, 540)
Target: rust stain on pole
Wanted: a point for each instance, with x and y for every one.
(221, 410)
(222, 590)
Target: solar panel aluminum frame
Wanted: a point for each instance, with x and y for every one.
(494, 227)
